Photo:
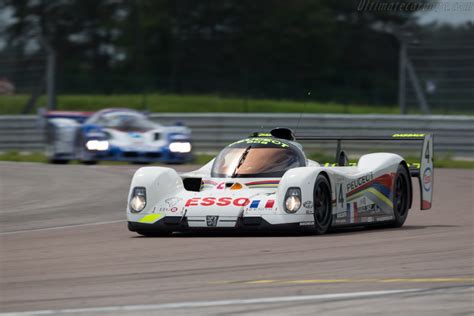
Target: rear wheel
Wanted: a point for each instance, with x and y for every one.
(401, 196)
(322, 205)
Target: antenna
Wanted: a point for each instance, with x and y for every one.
(301, 114)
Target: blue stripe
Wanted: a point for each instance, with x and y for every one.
(383, 189)
(254, 203)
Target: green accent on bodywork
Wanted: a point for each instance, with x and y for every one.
(354, 164)
(150, 218)
(263, 141)
(407, 135)
(261, 135)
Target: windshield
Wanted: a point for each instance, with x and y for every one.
(125, 121)
(256, 161)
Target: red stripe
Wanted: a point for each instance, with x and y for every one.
(270, 204)
(426, 205)
(264, 182)
(385, 180)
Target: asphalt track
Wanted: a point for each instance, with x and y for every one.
(64, 248)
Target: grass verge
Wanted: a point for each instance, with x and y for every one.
(189, 103)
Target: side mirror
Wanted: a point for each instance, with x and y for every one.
(342, 160)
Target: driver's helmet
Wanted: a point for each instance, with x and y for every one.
(257, 157)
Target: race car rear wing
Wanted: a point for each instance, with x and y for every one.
(423, 170)
(78, 116)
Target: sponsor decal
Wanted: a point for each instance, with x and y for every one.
(254, 204)
(385, 218)
(311, 211)
(427, 176)
(341, 215)
(174, 209)
(270, 204)
(263, 141)
(308, 204)
(378, 190)
(241, 202)
(359, 182)
(223, 201)
(173, 201)
(211, 221)
(310, 223)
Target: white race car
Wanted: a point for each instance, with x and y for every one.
(266, 182)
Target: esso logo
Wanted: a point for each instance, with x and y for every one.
(427, 179)
(223, 201)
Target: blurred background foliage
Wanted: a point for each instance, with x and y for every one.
(275, 49)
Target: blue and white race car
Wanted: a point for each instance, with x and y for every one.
(114, 134)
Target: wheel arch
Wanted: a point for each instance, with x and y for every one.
(326, 175)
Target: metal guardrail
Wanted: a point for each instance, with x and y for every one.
(211, 131)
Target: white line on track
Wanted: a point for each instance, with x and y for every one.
(198, 304)
(61, 227)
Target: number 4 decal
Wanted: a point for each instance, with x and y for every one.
(340, 197)
(427, 152)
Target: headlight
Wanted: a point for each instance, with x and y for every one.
(97, 145)
(138, 200)
(180, 147)
(292, 200)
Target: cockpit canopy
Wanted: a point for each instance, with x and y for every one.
(124, 120)
(257, 158)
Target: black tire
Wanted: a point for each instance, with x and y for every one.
(81, 152)
(401, 196)
(58, 161)
(322, 205)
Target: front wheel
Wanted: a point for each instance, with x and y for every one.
(401, 196)
(81, 153)
(322, 205)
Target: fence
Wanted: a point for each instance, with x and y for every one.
(439, 69)
(211, 131)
